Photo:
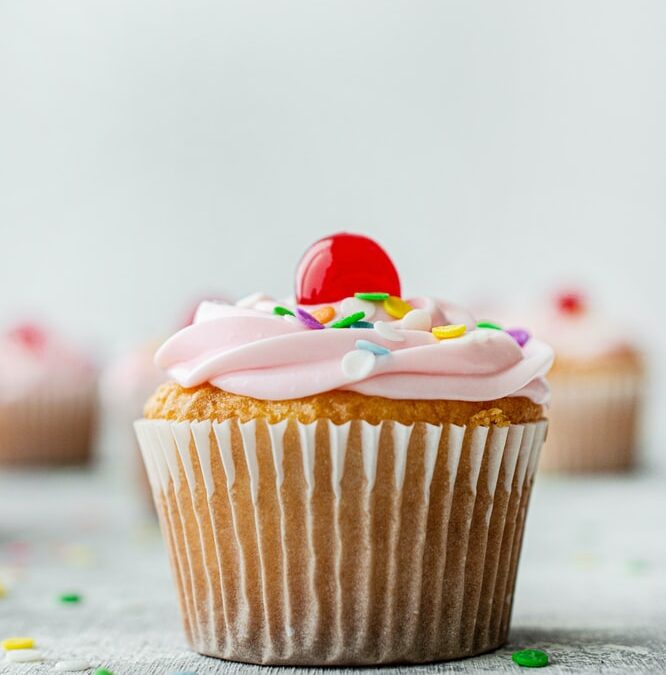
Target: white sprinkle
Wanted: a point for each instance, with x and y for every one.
(353, 305)
(72, 665)
(24, 655)
(481, 335)
(417, 319)
(358, 364)
(251, 300)
(387, 331)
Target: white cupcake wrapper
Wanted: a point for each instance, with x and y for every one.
(48, 427)
(593, 423)
(342, 544)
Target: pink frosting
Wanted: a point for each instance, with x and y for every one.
(250, 351)
(33, 359)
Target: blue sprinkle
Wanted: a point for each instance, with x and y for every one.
(362, 324)
(372, 347)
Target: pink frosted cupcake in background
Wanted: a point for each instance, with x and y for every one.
(48, 399)
(126, 383)
(597, 381)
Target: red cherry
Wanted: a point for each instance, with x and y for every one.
(338, 266)
(29, 335)
(571, 303)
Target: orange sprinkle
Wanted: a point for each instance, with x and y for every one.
(324, 314)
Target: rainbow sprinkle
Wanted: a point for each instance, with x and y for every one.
(347, 321)
(324, 314)
(372, 347)
(282, 311)
(520, 335)
(372, 297)
(396, 307)
(451, 331)
(308, 320)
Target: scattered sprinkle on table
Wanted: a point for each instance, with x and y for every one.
(637, 566)
(3, 590)
(372, 347)
(362, 324)
(451, 331)
(103, 671)
(324, 314)
(358, 364)
(387, 331)
(69, 598)
(347, 321)
(520, 335)
(372, 297)
(282, 311)
(530, 658)
(488, 324)
(396, 307)
(72, 665)
(23, 656)
(17, 643)
(308, 320)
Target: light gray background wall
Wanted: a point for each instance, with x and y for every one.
(151, 150)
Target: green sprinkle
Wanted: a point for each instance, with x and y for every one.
(530, 658)
(103, 671)
(282, 311)
(69, 598)
(637, 566)
(362, 324)
(348, 320)
(372, 297)
(488, 324)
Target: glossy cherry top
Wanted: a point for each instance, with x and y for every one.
(338, 266)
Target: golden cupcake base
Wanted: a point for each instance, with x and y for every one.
(318, 543)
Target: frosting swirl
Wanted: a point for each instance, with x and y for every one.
(248, 350)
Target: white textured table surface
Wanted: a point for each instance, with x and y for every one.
(591, 586)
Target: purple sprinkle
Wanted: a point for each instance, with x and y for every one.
(308, 320)
(520, 335)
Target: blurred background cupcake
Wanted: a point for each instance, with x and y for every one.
(127, 382)
(597, 382)
(48, 399)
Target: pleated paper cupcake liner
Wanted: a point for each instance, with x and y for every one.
(352, 544)
(593, 423)
(48, 427)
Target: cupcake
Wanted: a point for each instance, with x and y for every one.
(597, 381)
(126, 384)
(48, 399)
(343, 478)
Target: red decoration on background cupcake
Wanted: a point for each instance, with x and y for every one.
(338, 266)
(571, 302)
(30, 335)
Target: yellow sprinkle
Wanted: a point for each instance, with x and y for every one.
(17, 643)
(324, 314)
(451, 331)
(3, 590)
(396, 307)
